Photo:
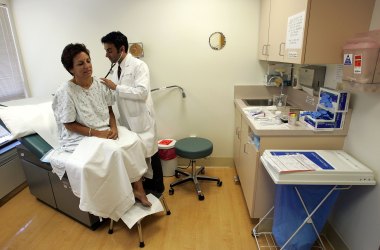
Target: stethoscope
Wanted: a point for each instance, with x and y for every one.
(109, 71)
(113, 65)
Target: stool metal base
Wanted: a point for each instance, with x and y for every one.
(194, 176)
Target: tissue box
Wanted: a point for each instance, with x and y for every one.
(339, 99)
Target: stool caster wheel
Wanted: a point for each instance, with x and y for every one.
(219, 184)
(177, 174)
(171, 191)
(201, 197)
(110, 231)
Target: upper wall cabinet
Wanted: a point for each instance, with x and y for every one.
(310, 31)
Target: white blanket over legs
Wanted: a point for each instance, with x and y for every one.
(100, 172)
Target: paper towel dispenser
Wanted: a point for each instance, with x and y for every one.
(312, 77)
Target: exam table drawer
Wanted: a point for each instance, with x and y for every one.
(68, 203)
(39, 183)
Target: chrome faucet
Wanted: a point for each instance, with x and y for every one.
(278, 81)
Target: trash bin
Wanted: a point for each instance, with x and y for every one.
(289, 213)
(168, 157)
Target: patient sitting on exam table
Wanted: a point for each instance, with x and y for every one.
(83, 107)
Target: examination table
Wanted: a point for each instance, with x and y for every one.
(46, 186)
(32, 122)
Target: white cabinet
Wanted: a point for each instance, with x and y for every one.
(248, 164)
(237, 136)
(326, 26)
(264, 30)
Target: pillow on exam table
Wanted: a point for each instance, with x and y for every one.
(29, 119)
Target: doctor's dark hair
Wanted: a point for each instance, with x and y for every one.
(69, 52)
(116, 38)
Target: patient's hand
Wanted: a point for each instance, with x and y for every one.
(101, 133)
(106, 134)
(113, 134)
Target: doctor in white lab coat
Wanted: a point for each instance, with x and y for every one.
(131, 84)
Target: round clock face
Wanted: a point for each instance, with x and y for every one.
(136, 50)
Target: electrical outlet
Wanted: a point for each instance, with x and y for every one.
(310, 100)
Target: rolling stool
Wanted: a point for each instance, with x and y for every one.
(193, 148)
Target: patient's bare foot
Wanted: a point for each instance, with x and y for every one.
(138, 191)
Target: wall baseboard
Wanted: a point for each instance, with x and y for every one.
(209, 161)
(333, 237)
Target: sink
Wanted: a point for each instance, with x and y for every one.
(257, 102)
(261, 102)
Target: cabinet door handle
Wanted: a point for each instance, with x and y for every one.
(267, 50)
(245, 144)
(238, 134)
(279, 52)
(264, 50)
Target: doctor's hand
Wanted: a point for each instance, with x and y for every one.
(108, 83)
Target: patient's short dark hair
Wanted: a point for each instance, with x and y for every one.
(116, 38)
(69, 52)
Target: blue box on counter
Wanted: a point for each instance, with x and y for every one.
(338, 99)
(335, 120)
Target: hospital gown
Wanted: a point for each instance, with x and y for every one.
(88, 107)
(100, 171)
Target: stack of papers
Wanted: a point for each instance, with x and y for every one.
(289, 163)
(315, 167)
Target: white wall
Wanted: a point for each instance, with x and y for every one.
(175, 37)
(356, 215)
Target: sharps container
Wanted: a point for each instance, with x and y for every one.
(360, 62)
(168, 157)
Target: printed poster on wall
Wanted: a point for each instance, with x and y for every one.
(295, 29)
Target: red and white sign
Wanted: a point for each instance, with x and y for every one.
(357, 64)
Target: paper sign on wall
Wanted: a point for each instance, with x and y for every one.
(295, 29)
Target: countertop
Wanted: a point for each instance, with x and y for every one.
(261, 128)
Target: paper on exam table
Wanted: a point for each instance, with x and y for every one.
(138, 211)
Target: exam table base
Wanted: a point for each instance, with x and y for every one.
(49, 189)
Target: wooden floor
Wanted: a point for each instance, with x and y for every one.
(221, 221)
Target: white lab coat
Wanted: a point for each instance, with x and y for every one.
(134, 101)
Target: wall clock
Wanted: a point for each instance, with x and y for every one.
(136, 49)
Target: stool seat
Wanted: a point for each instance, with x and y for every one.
(193, 148)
